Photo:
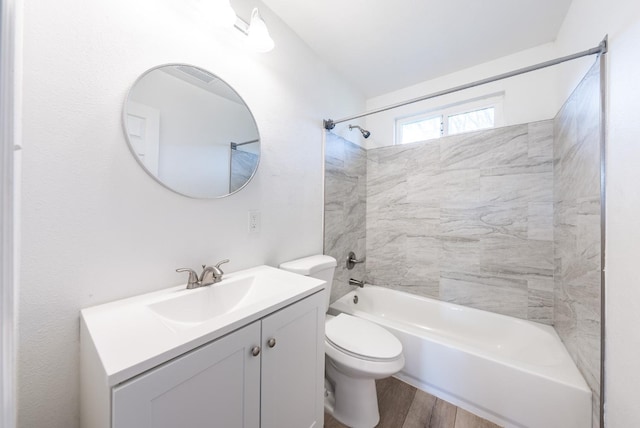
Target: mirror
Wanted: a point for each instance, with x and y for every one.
(191, 131)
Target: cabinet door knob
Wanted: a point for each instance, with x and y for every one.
(255, 351)
(271, 342)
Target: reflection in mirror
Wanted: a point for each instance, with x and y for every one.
(191, 131)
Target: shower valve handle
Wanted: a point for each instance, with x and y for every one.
(352, 261)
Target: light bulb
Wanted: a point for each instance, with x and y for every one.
(223, 14)
(258, 35)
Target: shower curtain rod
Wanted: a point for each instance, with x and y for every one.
(235, 145)
(329, 124)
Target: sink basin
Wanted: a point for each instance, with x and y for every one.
(136, 334)
(192, 307)
(183, 309)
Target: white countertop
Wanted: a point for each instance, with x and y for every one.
(131, 338)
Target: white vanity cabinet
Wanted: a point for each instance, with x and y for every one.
(267, 374)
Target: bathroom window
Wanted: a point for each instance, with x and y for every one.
(450, 120)
(471, 120)
(419, 129)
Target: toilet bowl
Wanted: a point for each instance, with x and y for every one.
(357, 352)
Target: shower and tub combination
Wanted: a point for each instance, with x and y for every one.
(485, 251)
(513, 372)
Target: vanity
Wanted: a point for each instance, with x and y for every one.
(246, 352)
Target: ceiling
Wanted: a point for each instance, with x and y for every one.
(384, 45)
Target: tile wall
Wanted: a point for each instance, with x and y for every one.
(577, 229)
(345, 208)
(467, 219)
(243, 164)
(506, 220)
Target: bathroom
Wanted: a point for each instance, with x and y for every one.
(91, 227)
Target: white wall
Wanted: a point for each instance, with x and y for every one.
(586, 23)
(527, 98)
(95, 227)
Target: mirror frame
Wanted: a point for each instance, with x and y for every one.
(131, 149)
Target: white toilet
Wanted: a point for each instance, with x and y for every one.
(357, 352)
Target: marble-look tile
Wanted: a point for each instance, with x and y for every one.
(480, 221)
(482, 291)
(243, 165)
(345, 208)
(524, 259)
(460, 254)
(540, 306)
(577, 230)
(540, 141)
(526, 187)
(540, 221)
(501, 146)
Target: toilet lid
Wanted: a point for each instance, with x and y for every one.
(361, 337)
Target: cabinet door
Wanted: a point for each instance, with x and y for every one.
(216, 385)
(293, 369)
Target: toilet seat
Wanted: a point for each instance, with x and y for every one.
(362, 339)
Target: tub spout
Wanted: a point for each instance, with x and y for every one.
(356, 282)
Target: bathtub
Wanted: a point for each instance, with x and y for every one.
(513, 372)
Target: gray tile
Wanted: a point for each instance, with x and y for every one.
(577, 230)
(540, 221)
(502, 146)
(540, 141)
(490, 293)
(525, 187)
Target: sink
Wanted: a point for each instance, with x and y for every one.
(192, 307)
(183, 309)
(136, 334)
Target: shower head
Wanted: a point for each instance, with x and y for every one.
(364, 132)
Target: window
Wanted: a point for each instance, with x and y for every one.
(420, 129)
(471, 121)
(450, 120)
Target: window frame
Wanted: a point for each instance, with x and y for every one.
(446, 111)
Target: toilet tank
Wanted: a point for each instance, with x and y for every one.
(319, 266)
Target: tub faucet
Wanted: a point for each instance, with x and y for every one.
(356, 282)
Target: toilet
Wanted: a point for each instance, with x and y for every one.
(357, 352)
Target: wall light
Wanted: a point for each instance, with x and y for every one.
(258, 37)
(223, 14)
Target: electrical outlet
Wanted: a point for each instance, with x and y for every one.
(254, 221)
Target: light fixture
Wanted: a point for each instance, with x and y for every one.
(222, 13)
(258, 37)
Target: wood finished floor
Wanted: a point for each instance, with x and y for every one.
(403, 406)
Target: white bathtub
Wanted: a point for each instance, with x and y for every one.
(513, 372)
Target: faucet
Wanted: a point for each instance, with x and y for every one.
(210, 275)
(356, 282)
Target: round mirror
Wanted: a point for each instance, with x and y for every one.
(191, 131)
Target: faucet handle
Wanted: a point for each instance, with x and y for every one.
(221, 263)
(193, 276)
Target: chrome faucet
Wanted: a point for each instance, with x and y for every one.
(356, 282)
(210, 275)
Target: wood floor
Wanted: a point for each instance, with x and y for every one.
(403, 406)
